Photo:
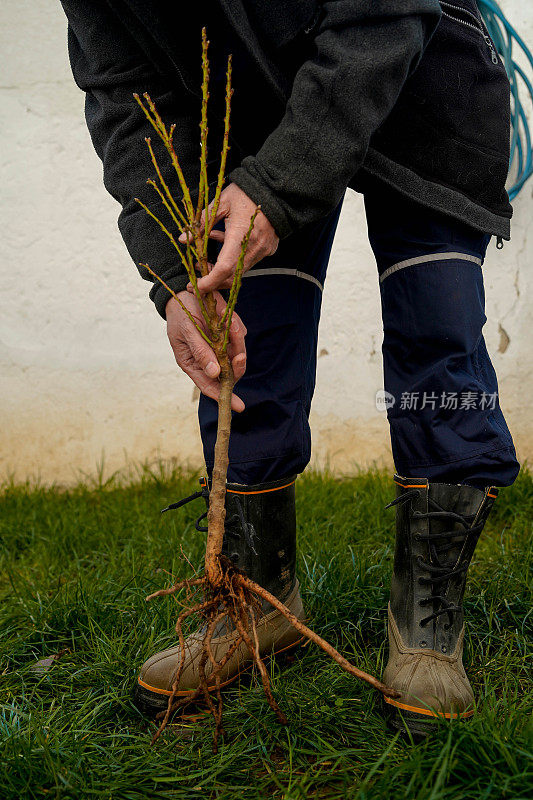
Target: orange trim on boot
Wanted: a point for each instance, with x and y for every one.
(428, 712)
(187, 692)
(263, 491)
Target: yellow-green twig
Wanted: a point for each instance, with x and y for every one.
(154, 118)
(237, 280)
(209, 222)
(167, 233)
(183, 307)
(203, 193)
(177, 215)
(190, 252)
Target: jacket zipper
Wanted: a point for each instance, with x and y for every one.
(476, 25)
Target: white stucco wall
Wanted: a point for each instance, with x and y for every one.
(85, 367)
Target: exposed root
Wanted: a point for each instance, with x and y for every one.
(217, 711)
(179, 630)
(282, 719)
(314, 637)
(236, 599)
(186, 584)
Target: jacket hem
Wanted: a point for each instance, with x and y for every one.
(432, 195)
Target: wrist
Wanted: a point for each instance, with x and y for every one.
(172, 306)
(161, 296)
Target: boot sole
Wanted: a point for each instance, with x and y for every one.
(151, 699)
(419, 722)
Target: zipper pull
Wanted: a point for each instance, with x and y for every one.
(493, 53)
(499, 243)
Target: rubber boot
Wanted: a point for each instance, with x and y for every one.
(260, 538)
(437, 529)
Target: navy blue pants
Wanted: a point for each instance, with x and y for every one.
(445, 420)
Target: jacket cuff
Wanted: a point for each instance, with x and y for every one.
(161, 296)
(248, 178)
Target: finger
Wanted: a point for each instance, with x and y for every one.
(220, 213)
(220, 277)
(226, 262)
(237, 330)
(237, 404)
(224, 285)
(237, 347)
(211, 388)
(189, 286)
(201, 355)
(199, 362)
(236, 339)
(238, 357)
(216, 235)
(187, 235)
(239, 366)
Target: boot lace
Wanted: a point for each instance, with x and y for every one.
(439, 544)
(235, 526)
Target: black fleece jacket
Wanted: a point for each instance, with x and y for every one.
(329, 94)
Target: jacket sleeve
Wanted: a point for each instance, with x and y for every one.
(109, 65)
(364, 52)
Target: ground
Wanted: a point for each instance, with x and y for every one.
(75, 567)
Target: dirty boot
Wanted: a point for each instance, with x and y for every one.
(437, 529)
(260, 538)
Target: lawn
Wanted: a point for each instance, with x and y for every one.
(75, 567)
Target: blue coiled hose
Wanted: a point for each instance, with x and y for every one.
(507, 41)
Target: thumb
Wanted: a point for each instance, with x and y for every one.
(205, 358)
(224, 268)
(218, 216)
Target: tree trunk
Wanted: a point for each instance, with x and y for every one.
(217, 496)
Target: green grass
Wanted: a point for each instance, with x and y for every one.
(75, 567)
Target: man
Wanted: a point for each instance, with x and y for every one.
(408, 102)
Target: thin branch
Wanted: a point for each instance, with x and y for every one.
(169, 208)
(183, 225)
(157, 123)
(175, 296)
(166, 232)
(237, 280)
(190, 252)
(224, 156)
(203, 193)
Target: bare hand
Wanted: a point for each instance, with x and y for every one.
(236, 209)
(192, 352)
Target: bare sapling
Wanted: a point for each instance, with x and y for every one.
(223, 592)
